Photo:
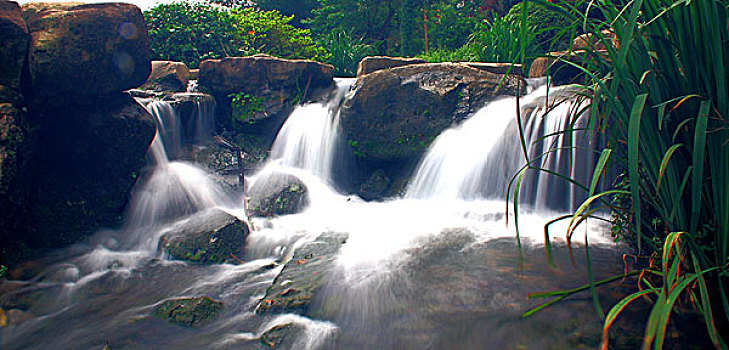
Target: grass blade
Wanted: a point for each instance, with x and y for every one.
(633, 172)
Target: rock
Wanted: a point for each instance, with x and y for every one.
(589, 41)
(376, 186)
(371, 64)
(14, 40)
(194, 73)
(277, 194)
(85, 49)
(562, 73)
(282, 336)
(167, 76)
(497, 68)
(298, 282)
(85, 163)
(188, 312)
(209, 237)
(395, 114)
(14, 135)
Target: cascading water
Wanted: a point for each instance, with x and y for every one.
(478, 158)
(309, 139)
(436, 269)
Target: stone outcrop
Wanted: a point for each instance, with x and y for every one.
(396, 113)
(209, 237)
(188, 312)
(167, 76)
(277, 194)
(85, 49)
(14, 40)
(371, 64)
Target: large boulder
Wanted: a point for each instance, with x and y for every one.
(396, 113)
(560, 66)
(371, 64)
(188, 312)
(86, 160)
(14, 40)
(277, 194)
(167, 76)
(85, 49)
(209, 237)
(255, 94)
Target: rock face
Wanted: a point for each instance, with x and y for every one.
(14, 40)
(167, 76)
(278, 194)
(86, 161)
(371, 64)
(276, 81)
(209, 237)
(188, 312)
(295, 287)
(396, 113)
(86, 49)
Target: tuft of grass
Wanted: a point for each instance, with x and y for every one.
(662, 93)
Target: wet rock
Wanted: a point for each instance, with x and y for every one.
(85, 49)
(301, 278)
(376, 186)
(14, 134)
(13, 317)
(497, 68)
(371, 64)
(188, 312)
(589, 41)
(209, 237)
(277, 194)
(281, 336)
(167, 76)
(395, 114)
(14, 40)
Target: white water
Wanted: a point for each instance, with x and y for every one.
(310, 137)
(478, 158)
(450, 195)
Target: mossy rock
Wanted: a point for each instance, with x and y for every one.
(278, 194)
(209, 237)
(188, 312)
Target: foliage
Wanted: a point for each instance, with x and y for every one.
(191, 32)
(449, 27)
(663, 94)
(300, 9)
(3, 271)
(552, 31)
(499, 40)
(244, 106)
(345, 52)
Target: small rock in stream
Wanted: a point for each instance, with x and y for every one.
(188, 312)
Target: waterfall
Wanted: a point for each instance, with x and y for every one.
(309, 139)
(478, 158)
(171, 189)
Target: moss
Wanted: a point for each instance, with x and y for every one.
(188, 312)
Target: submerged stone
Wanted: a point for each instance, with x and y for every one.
(297, 284)
(281, 336)
(188, 312)
(210, 237)
(278, 194)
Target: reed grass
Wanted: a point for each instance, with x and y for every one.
(662, 94)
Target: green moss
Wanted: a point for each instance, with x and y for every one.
(188, 312)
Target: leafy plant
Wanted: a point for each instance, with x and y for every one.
(500, 40)
(191, 32)
(345, 51)
(244, 106)
(662, 92)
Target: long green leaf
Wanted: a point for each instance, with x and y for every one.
(617, 309)
(664, 164)
(699, 149)
(633, 172)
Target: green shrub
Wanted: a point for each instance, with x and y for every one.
(499, 40)
(552, 30)
(191, 32)
(345, 51)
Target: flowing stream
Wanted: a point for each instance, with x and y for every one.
(435, 269)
